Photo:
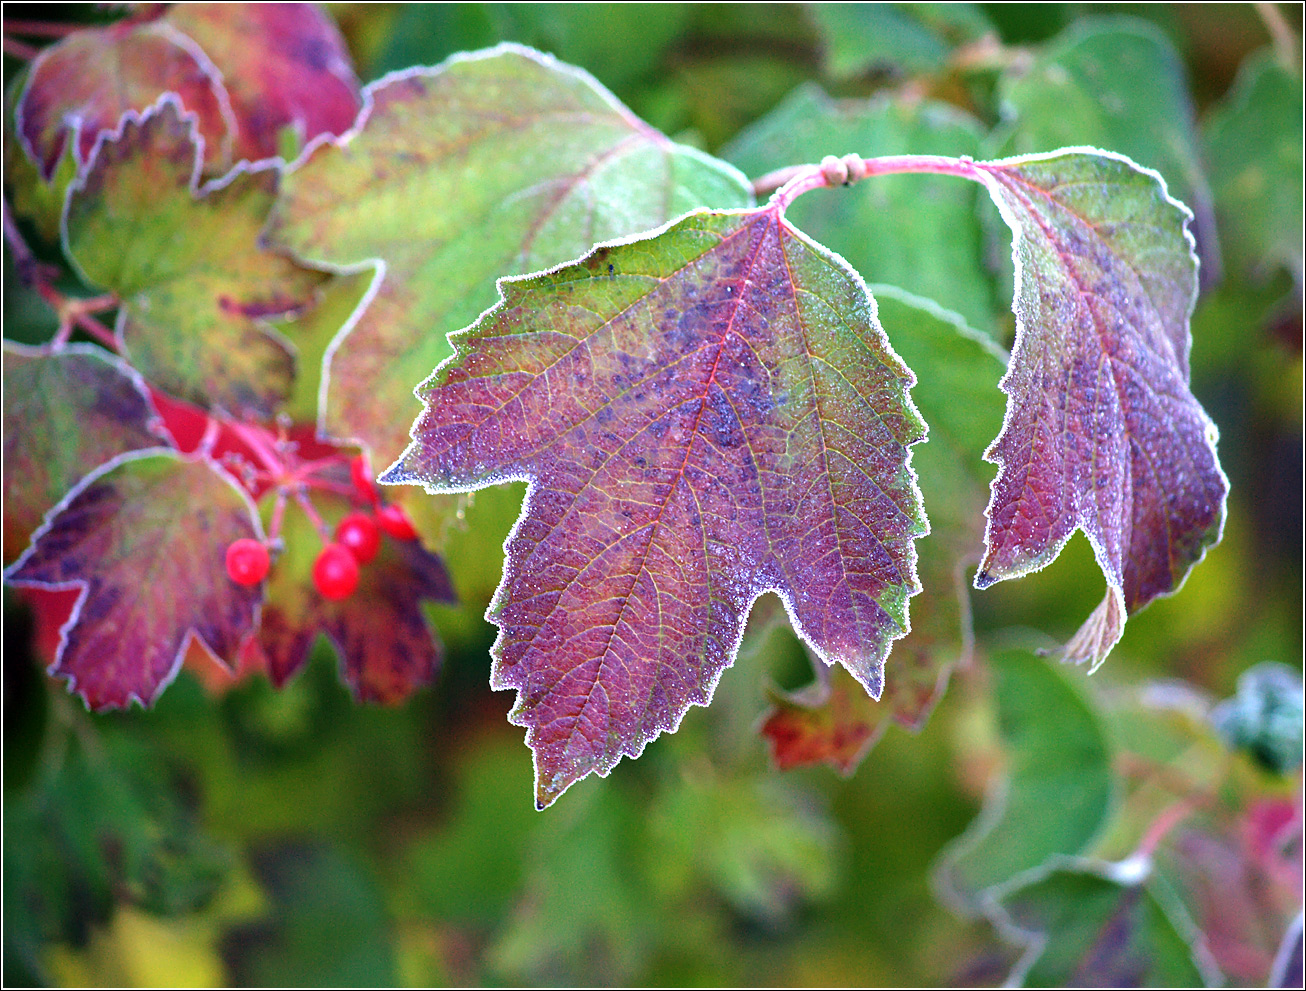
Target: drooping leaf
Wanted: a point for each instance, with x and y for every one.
(84, 84)
(186, 263)
(66, 413)
(496, 163)
(386, 647)
(1116, 83)
(1253, 146)
(919, 232)
(909, 37)
(1057, 790)
(837, 722)
(284, 66)
(1102, 432)
(704, 415)
(144, 539)
(1092, 925)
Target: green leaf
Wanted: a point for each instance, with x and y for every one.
(919, 232)
(835, 721)
(1253, 146)
(327, 927)
(910, 37)
(1057, 790)
(186, 263)
(1094, 925)
(143, 539)
(109, 826)
(704, 414)
(495, 163)
(66, 413)
(1114, 83)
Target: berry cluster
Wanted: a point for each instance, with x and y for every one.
(356, 541)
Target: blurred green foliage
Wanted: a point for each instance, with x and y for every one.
(295, 838)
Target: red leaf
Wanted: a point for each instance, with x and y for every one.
(284, 65)
(1102, 432)
(143, 539)
(85, 83)
(704, 415)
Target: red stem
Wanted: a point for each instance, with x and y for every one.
(278, 513)
(41, 29)
(307, 506)
(19, 50)
(803, 179)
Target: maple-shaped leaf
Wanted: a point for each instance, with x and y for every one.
(1102, 432)
(833, 720)
(284, 66)
(66, 412)
(495, 163)
(143, 538)
(385, 645)
(186, 264)
(84, 84)
(703, 415)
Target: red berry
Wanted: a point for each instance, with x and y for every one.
(362, 479)
(247, 561)
(394, 521)
(359, 535)
(335, 573)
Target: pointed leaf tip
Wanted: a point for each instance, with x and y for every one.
(1102, 432)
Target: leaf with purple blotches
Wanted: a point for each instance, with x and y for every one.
(66, 412)
(143, 539)
(1102, 432)
(284, 66)
(186, 263)
(494, 163)
(82, 86)
(385, 645)
(832, 720)
(704, 414)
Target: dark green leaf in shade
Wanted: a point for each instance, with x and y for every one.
(1057, 790)
(66, 412)
(704, 414)
(908, 37)
(918, 232)
(108, 826)
(186, 263)
(143, 538)
(1096, 925)
(284, 65)
(1102, 431)
(385, 645)
(83, 85)
(326, 925)
(1253, 145)
(1118, 84)
(833, 720)
(492, 164)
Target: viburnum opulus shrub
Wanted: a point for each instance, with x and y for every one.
(705, 401)
(219, 451)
